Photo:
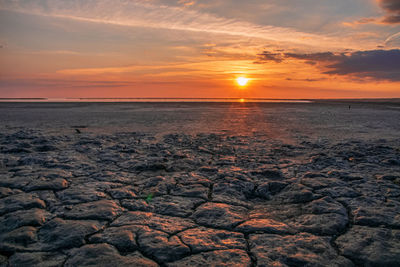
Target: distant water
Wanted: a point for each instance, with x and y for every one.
(291, 121)
(156, 99)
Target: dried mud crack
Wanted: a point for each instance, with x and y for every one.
(196, 200)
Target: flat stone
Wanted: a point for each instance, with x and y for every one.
(47, 184)
(167, 205)
(98, 210)
(161, 246)
(295, 193)
(79, 194)
(32, 217)
(191, 190)
(15, 182)
(231, 193)
(104, 255)
(20, 239)
(324, 205)
(137, 205)
(321, 182)
(338, 191)
(387, 177)
(122, 192)
(159, 222)
(58, 233)
(264, 225)
(321, 224)
(5, 191)
(368, 246)
(219, 215)
(265, 190)
(223, 258)
(37, 259)
(277, 212)
(268, 173)
(19, 202)
(295, 250)
(372, 212)
(56, 173)
(123, 238)
(203, 239)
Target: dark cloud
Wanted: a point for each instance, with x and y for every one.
(377, 64)
(305, 80)
(314, 57)
(390, 5)
(392, 19)
(393, 8)
(268, 56)
(374, 64)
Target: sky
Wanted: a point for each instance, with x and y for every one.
(287, 49)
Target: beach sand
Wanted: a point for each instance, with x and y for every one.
(200, 184)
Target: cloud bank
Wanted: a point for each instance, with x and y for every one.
(374, 64)
(146, 14)
(392, 7)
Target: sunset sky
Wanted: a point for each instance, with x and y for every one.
(197, 48)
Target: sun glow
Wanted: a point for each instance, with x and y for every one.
(242, 81)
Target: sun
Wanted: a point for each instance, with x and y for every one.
(242, 81)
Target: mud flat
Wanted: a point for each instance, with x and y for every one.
(185, 198)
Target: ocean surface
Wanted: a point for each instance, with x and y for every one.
(290, 121)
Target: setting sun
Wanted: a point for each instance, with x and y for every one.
(242, 81)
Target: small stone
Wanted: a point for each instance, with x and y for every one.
(338, 191)
(221, 258)
(163, 223)
(192, 190)
(264, 225)
(37, 259)
(203, 239)
(324, 224)
(163, 247)
(19, 202)
(98, 210)
(19, 239)
(32, 217)
(47, 184)
(295, 193)
(123, 238)
(15, 182)
(324, 205)
(122, 192)
(58, 233)
(104, 255)
(372, 212)
(166, 205)
(371, 246)
(5, 192)
(295, 250)
(79, 194)
(219, 215)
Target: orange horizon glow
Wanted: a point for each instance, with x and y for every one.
(157, 49)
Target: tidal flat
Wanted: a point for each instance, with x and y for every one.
(200, 184)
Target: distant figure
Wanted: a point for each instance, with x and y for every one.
(78, 131)
(349, 107)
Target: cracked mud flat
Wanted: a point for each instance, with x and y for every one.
(195, 198)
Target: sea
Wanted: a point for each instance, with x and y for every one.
(290, 120)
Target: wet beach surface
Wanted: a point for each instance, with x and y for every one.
(197, 184)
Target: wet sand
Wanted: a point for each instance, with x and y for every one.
(197, 184)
